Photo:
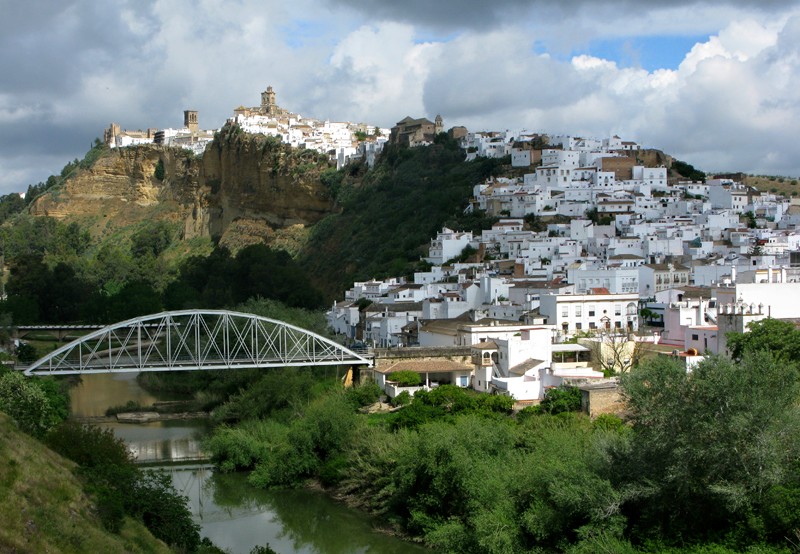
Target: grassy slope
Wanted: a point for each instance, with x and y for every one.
(784, 185)
(44, 509)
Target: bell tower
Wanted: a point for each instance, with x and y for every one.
(268, 104)
(438, 125)
(190, 120)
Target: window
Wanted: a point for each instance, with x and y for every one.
(695, 337)
(592, 325)
(591, 311)
(618, 324)
(565, 311)
(578, 311)
(617, 309)
(579, 326)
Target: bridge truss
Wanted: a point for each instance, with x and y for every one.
(194, 340)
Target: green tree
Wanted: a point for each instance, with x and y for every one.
(778, 337)
(27, 404)
(165, 513)
(159, 172)
(120, 487)
(152, 239)
(560, 400)
(406, 378)
(708, 446)
(688, 171)
(26, 353)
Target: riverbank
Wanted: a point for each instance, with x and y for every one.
(44, 507)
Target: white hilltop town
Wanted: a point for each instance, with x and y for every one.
(342, 141)
(629, 262)
(596, 259)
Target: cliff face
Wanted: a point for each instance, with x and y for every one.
(242, 190)
(255, 185)
(121, 188)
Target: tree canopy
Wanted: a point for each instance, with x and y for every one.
(709, 448)
(781, 338)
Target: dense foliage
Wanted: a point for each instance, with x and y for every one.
(36, 405)
(222, 280)
(780, 338)
(688, 171)
(121, 488)
(71, 291)
(706, 463)
(390, 212)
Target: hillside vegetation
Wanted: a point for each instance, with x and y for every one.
(390, 213)
(704, 463)
(125, 223)
(44, 509)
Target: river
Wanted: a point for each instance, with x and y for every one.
(235, 516)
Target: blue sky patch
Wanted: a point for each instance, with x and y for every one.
(650, 53)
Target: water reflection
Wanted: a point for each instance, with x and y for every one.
(167, 441)
(238, 517)
(97, 392)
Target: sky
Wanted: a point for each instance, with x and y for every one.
(715, 83)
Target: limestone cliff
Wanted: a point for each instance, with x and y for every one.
(244, 189)
(121, 189)
(255, 185)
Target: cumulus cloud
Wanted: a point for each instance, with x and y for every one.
(74, 66)
(371, 69)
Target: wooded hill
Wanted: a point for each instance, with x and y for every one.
(145, 217)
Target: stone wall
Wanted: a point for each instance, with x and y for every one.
(601, 398)
(385, 357)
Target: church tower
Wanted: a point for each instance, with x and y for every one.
(268, 104)
(190, 120)
(438, 124)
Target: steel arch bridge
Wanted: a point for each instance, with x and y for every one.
(194, 340)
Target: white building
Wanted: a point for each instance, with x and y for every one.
(598, 312)
(447, 245)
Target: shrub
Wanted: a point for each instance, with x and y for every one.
(402, 399)
(26, 353)
(407, 378)
(609, 422)
(561, 399)
(243, 447)
(57, 393)
(89, 446)
(323, 433)
(495, 404)
(27, 404)
(119, 487)
(363, 395)
(159, 172)
(156, 502)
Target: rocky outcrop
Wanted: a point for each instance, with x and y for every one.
(121, 188)
(244, 184)
(263, 182)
